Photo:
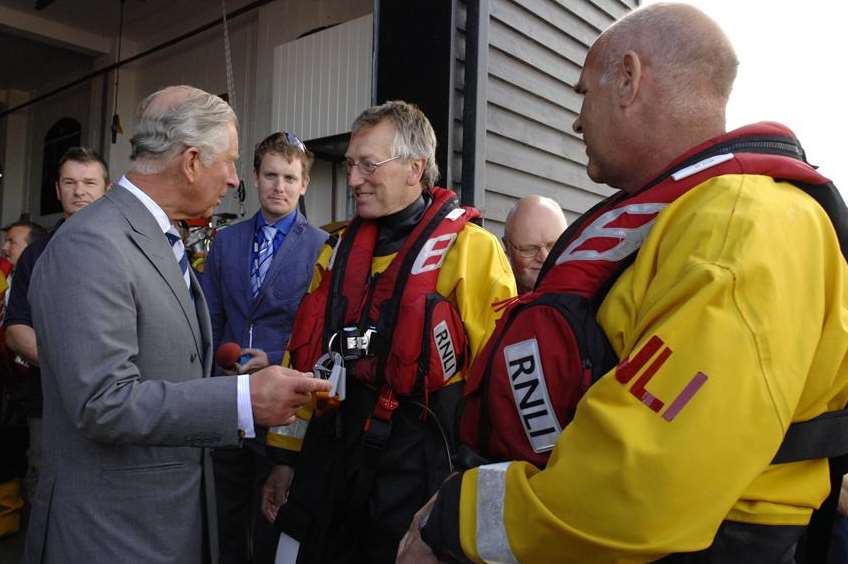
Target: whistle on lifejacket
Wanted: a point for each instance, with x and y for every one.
(330, 367)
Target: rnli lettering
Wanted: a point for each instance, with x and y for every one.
(629, 367)
(530, 392)
(447, 353)
(432, 254)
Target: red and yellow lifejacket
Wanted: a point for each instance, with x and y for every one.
(392, 328)
(547, 348)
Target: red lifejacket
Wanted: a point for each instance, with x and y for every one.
(547, 348)
(392, 328)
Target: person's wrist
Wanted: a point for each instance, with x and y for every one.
(425, 517)
(439, 528)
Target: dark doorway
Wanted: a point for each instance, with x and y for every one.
(64, 134)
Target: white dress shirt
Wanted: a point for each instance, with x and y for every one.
(245, 408)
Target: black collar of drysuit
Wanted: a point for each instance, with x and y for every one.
(394, 228)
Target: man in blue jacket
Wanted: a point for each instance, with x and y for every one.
(255, 276)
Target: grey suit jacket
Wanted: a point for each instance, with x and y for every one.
(125, 353)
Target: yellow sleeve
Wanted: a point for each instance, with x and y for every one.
(476, 274)
(737, 341)
(290, 437)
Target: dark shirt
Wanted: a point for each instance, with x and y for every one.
(18, 312)
(396, 227)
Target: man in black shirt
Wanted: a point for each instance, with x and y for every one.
(82, 178)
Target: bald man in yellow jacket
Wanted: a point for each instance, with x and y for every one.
(740, 286)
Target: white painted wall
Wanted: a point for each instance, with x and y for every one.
(118, 155)
(74, 103)
(323, 81)
(282, 22)
(198, 61)
(319, 208)
(14, 157)
(279, 23)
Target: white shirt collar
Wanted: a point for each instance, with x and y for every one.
(158, 213)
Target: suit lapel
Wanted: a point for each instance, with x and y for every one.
(149, 238)
(204, 322)
(244, 248)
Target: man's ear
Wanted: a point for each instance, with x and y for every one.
(416, 171)
(190, 163)
(629, 79)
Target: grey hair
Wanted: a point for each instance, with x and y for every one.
(694, 60)
(194, 119)
(414, 136)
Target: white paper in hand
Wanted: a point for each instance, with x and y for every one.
(287, 549)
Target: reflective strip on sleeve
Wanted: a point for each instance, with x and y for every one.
(296, 430)
(492, 542)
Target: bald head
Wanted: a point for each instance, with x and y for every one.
(655, 84)
(532, 227)
(690, 58)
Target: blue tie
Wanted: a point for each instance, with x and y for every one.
(179, 252)
(262, 259)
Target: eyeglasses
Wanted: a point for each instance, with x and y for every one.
(366, 167)
(529, 251)
(293, 139)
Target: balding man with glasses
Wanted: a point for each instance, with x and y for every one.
(532, 227)
(255, 276)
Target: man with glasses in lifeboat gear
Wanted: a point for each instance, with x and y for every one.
(398, 308)
(256, 274)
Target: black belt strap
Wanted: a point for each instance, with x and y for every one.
(825, 436)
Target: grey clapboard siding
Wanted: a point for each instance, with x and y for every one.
(536, 49)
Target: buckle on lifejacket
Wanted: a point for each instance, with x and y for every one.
(378, 426)
(353, 343)
(330, 366)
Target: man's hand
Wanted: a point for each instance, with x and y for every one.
(276, 490)
(276, 393)
(21, 339)
(258, 360)
(412, 548)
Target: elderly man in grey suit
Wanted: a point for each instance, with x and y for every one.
(124, 346)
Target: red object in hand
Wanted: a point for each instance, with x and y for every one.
(227, 355)
(5, 266)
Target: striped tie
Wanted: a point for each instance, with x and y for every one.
(179, 252)
(262, 259)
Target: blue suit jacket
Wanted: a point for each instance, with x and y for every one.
(226, 284)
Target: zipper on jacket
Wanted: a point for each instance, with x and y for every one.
(769, 145)
(366, 307)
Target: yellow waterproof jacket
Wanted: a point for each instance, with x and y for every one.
(738, 301)
(474, 276)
